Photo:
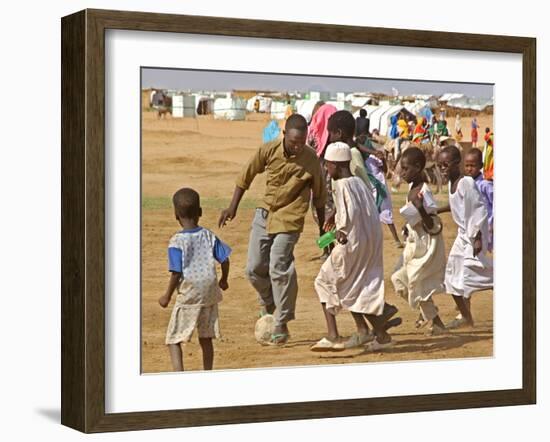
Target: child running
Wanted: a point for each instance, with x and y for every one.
(341, 127)
(352, 278)
(469, 269)
(423, 270)
(473, 165)
(192, 253)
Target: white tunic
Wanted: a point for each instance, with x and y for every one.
(466, 273)
(353, 276)
(423, 270)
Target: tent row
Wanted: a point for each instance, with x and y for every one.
(380, 116)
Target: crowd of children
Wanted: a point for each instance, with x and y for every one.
(351, 278)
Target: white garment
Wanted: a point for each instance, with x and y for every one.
(466, 273)
(423, 270)
(374, 167)
(353, 276)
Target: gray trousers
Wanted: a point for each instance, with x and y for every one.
(270, 268)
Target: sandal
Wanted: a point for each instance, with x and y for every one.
(436, 330)
(377, 346)
(459, 323)
(420, 322)
(325, 344)
(358, 339)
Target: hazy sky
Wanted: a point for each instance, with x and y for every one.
(183, 79)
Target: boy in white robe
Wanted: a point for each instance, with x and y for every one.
(423, 271)
(352, 278)
(468, 269)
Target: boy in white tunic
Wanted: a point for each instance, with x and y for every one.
(192, 256)
(423, 270)
(469, 269)
(352, 278)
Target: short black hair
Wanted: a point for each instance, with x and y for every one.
(415, 156)
(296, 121)
(187, 203)
(474, 151)
(342, 120)
(453, 152)
(363, 113)
(487, 130)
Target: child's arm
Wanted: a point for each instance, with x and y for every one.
(418, 202)
(444, 209)
(223, 284)
(164, 300)
(478, 244)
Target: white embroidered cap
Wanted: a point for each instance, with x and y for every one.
(338, 151)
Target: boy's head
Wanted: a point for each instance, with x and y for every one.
(487, 130)
(341, 126)
(295, 134)
(363, 113)
(473, 162)
(449, 160)
(187, 204)
(412, 163)
(337, 159)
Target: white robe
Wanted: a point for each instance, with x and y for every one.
(423, 270)
(352, 277)
(466, 273)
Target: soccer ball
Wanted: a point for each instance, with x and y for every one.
(264, 328)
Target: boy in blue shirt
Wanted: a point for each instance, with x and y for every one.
(192, 256)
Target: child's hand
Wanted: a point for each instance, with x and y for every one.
(341, 237)
(418, 200)
(405, 231)
(329, 223)
(164, 301)
(223, 284)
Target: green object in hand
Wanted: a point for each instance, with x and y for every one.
(327, 239)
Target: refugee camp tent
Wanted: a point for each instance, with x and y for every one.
(204, 104)
(450, 96)
(305, 108)
(477, 104)
(341, 105)
(420, 109)
(183, 106)
(380, 116)
(278, 110)
(265, 104)
(230, 108)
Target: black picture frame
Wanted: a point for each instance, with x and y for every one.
(83, 220)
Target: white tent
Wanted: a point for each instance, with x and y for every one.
(477, 104)
(230, 108)
(380, 116)
(183, 106)
(278, 110)
(265, 104)
(450, 96)
(204, 104)
(341, 105)
(305, 108)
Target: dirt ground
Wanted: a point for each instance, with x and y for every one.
(207, 155)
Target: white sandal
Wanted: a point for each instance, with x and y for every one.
(326, 344)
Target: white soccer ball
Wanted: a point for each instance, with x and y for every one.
(264, 328)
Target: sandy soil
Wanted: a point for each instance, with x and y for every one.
(207, 154)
